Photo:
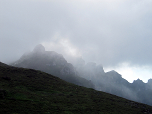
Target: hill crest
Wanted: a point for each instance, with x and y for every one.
(31, 91)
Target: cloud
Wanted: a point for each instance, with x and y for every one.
(62, 45)
(109, 32)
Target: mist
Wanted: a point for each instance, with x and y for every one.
(108, 33)
(90, 75)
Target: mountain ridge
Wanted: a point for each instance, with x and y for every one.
(113, 83)
(52, 63)
(87, 75)
(32, 91)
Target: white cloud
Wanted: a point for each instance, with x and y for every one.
(109, 32)
(62, 45)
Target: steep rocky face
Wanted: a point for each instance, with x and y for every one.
(52, 63)
(99, 70)
(115, 78)
(150, 83)
(138, 85)
(91, 71)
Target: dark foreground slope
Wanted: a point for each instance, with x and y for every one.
(30, 91)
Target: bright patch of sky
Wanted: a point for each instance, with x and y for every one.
(132, 73)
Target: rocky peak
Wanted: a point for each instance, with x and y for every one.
(150, 82)
(99, 68)
(139, 84)
(113, 74)
(39, 48)
(138, 81)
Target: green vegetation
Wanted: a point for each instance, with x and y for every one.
(32, 92)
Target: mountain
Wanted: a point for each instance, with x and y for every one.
(28, 91)
(113, 83)
(52, 63)
(88, 75)
(110, 82)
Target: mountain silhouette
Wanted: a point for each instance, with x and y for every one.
(88, 75)
(52, 63)
(113, 83)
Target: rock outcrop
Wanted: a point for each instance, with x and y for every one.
(52, 63)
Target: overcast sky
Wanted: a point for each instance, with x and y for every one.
(114, 33)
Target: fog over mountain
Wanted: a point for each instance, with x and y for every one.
(86, 74)
(52, 63)
(107, 32)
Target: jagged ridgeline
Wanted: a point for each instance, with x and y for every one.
(112, 82)
(88, 75)
(27, 91)
(52, 63)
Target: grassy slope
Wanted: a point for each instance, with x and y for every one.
(30, 91)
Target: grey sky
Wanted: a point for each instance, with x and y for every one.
(109, 32)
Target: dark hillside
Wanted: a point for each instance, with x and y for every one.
(2, 64)
(26, 91)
